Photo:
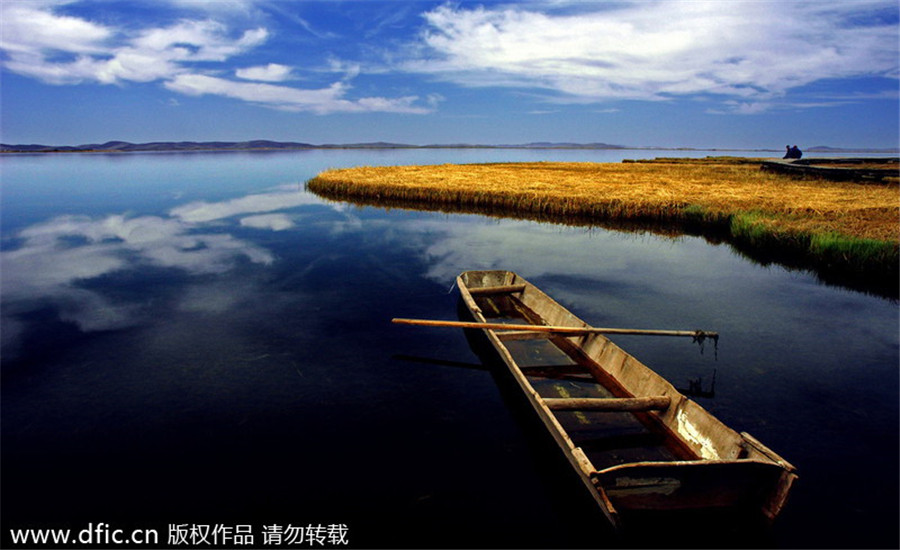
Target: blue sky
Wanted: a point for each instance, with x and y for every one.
(724, 73)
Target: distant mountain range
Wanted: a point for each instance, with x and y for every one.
(124, 146)
(266, 145)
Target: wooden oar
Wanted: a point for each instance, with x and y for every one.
(556, 329)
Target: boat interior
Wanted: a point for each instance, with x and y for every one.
(556, 369)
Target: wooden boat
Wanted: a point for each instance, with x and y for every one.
(871, 170)
(636, 443)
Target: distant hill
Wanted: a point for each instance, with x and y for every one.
(373, 145)
(567, 145)
(266, 145)
(256, 145)
(124, 146)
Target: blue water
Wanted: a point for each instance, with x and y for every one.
(194, 338)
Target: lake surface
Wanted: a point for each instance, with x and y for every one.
(193, 339)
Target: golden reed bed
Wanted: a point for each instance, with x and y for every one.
(832, 222)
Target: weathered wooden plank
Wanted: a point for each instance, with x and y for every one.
(507, 335)
(713, 467)
(500, 289)
(612, 404)
(702, 484)
(757, 445)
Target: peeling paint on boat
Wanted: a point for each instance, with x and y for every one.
(644, 486)
(690, 432)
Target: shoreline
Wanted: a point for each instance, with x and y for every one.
(76, 150)
(270, 146)
(845, 233)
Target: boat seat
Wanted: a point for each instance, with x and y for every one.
(499, 289)
(507, 335)
(622, 441)
(613, 404)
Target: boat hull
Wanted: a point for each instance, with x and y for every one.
(704, 465)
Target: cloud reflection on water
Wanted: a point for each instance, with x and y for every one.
(275, 222)
(605, 273)
(56, 260)
(281, 198)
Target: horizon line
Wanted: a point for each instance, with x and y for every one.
(267, 144)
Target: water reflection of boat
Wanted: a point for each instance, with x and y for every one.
(637, 443)
(695, 387)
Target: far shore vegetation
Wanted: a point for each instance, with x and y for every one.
(841, 230)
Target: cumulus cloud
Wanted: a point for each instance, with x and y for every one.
(29, 27)
(185, 56)
(206, 40)
(750, 51)
(68, 50)
(273, 72)
(322, 101)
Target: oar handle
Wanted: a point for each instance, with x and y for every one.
(554, 329)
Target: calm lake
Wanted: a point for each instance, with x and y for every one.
(195, 340)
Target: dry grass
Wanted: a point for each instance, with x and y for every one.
(676, 191)
(847, 233)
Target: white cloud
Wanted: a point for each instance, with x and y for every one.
(198, 41)
(28, 28)
(746, 107)
(34, 37)
(273, 72)
(350, 70)
(322, 101)
(185, 56)
(217, 6)
(659, 50)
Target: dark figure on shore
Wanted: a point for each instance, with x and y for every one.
(792, 152)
